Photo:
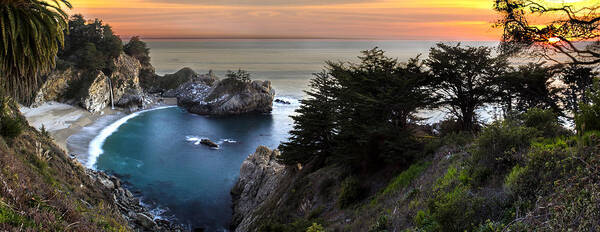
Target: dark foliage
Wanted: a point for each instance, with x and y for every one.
(361, 114)
(240, 74)
(528, 86)
(314, 126)
(463, 79)
(91, 45)
(578, 80)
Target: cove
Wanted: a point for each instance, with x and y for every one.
(157, 154)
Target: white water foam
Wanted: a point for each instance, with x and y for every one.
(95, 147)
(194, 139)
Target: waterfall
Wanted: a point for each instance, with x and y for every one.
(112, 104)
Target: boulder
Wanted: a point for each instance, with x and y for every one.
(145, 221)
(226, 97)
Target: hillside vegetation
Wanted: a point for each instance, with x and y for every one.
(41, 188)
(361, 159)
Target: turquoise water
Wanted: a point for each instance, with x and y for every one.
(156, 154)
(155, 151)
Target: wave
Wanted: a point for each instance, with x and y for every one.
(95, 146)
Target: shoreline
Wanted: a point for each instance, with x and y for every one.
(62, 120)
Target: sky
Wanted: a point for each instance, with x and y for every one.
(327, 19)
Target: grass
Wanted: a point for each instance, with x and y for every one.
(406, 177)
(9, 217)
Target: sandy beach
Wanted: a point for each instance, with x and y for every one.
(63, 120)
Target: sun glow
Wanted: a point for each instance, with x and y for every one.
(553, 40)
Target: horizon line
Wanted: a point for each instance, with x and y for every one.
(298, 38)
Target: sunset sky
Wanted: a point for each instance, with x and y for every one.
(344, 19)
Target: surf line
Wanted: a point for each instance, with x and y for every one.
(95, 146)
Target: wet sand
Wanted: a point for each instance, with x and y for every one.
(63, 120)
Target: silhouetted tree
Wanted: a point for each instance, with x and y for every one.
(529, 86)
(578, 80)
(463, 78)
(314, 125)
(377, 102)
(360, 114)
(138, 49)
(549, 28)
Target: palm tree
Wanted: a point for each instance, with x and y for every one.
(31, 32)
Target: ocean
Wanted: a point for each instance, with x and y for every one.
(156, 152)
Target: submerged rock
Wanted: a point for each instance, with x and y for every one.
(282, 101)
(228, 96)
(209, 143)
(260, 176)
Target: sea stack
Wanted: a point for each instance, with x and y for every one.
(226, 97)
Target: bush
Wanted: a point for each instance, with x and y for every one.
(350, 192)
(241, 75)
(559, 185)
(10, 127)
(381, 225)
(545, 121)
(315, 227)
(500, 146)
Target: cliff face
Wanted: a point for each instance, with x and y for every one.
(260, 175)
(92, 89)
(228, 96)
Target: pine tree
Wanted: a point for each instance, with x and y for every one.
(314, 125)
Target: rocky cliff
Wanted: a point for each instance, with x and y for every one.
(227, 96)
(92, 89)
(260, 176)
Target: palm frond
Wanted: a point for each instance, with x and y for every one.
(32, 31)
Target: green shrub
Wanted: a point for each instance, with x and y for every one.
(315, 227)
(10, 127)
(10, 217)
(350, 192)
(490, 226)
(513, 177)
(545, 121)
(457, 209)
(500, 146)
(381, 224)
(424, 221)
(406, 177)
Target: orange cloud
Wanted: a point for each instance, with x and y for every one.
(390, 19)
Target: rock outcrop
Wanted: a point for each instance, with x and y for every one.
(260, 176)
(55, 86)
(92, 89)
(138, 216)
(225, 97)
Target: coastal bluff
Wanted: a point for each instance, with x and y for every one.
(260, 176)
(229, 96)
(94, 90)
